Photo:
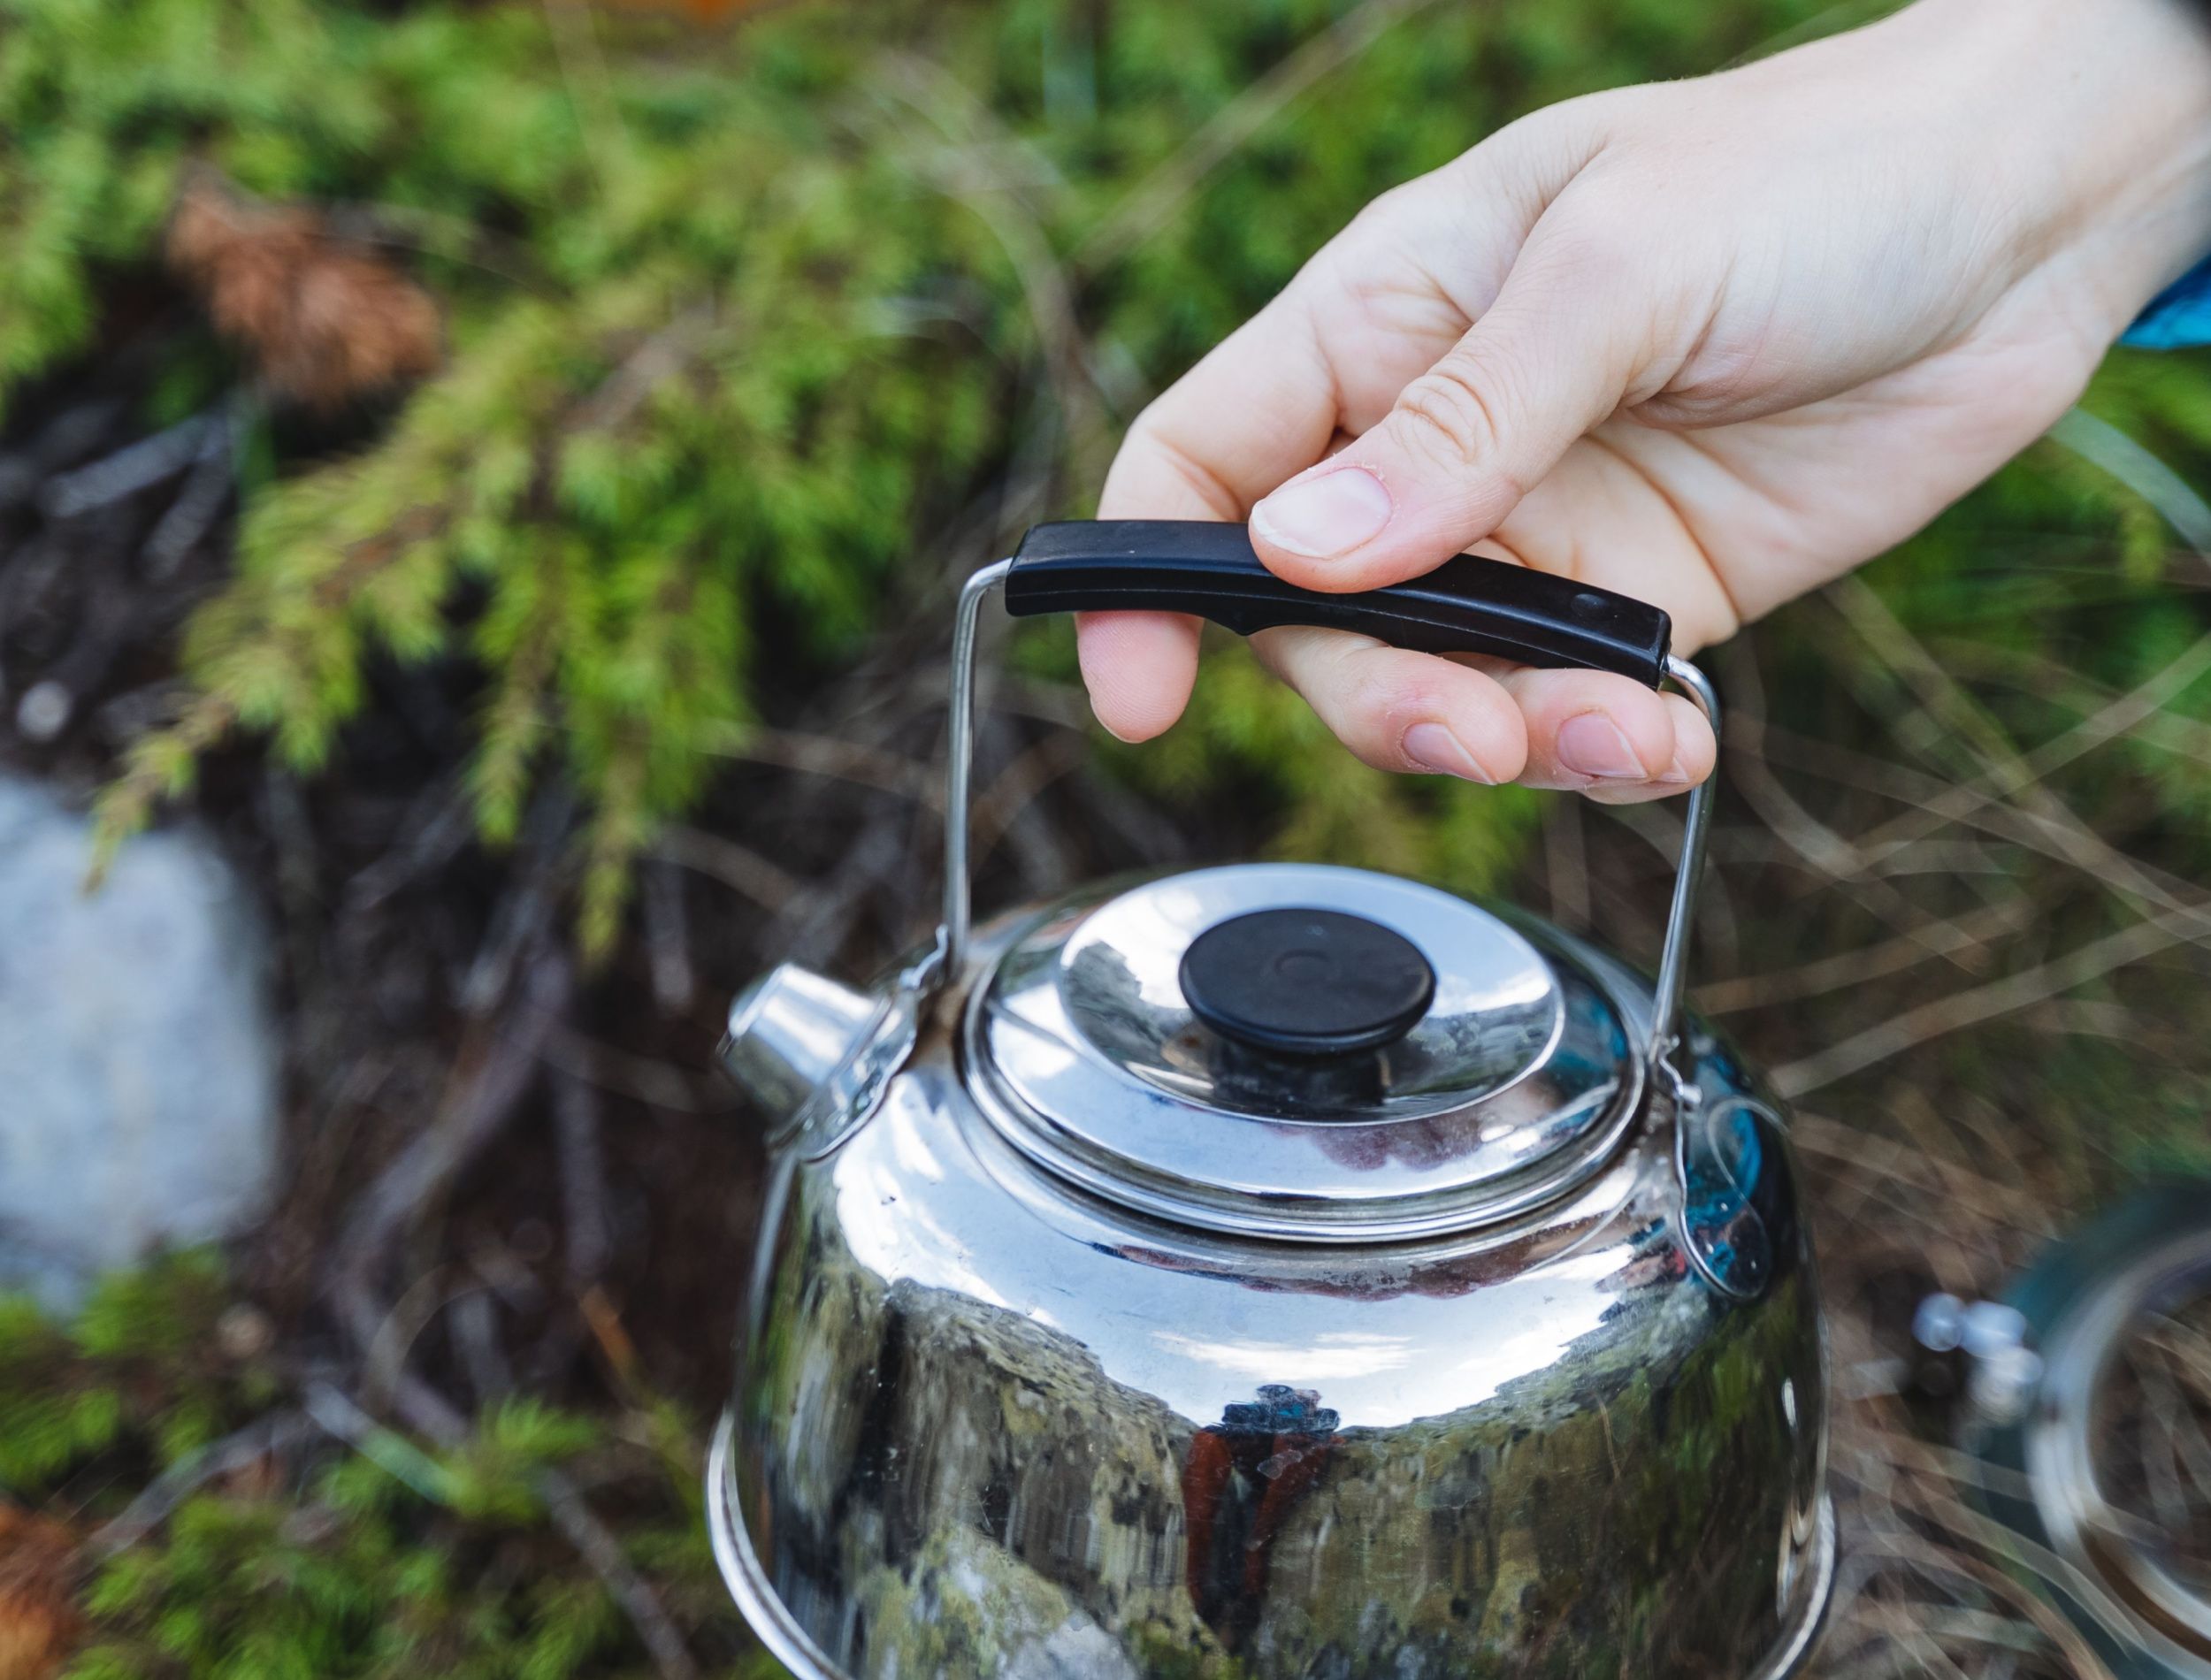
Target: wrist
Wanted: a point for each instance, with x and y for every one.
(2097, 114)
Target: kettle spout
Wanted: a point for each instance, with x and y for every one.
(789, 1031)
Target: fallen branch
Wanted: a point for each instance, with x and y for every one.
(739, 867)
(583, 1180)
(501, 1063)
(136, 467)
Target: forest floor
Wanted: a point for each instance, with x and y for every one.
(513, 1173)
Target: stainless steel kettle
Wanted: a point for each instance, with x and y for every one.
(1273, 1270)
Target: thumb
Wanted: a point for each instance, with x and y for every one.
(1555, 356)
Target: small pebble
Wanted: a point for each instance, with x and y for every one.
(43, 711)
(244, 1332)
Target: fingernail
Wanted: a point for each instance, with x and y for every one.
(1675, 776)
(1592, 744)
(1434, 747)
(1325, 516)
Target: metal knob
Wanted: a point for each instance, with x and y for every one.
(789, 1031)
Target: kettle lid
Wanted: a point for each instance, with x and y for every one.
(1303, 1051)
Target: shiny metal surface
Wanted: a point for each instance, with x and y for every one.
(2111, 1576)
(1518, 1080)
(952, 937)
(789, 1032)
(1081, 1346)
(990, 1424)
(1110, 983)
(791, 1026)
(1697, 826)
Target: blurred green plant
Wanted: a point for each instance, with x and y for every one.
(731, 318)
(736, 319)
(142, 1362)
(316, 1557)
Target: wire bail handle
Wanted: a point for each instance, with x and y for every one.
(953, 935)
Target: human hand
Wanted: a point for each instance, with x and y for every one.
(1707, 343)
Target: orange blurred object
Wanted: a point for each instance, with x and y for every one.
(39, 1622)
(324, 320)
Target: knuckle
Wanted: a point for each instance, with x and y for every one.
(1368, 700)
(1450, 414)
(1379, 212)
(1411, 201)
(1380, 695)
(1691, 409)
(1158, 438)
(1157, 431)
(1153, 427)
(1595, 243)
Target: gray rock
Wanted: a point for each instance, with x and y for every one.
(138, 1055)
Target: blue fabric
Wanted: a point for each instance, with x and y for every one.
(2179, 316)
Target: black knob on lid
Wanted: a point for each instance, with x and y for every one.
(1306, 982)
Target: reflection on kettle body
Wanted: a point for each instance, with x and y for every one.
(994, 1422)
(1135, 1315)
(1722, 1152)
(1240, 1478)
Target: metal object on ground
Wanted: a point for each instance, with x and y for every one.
(1274, 1272)
(2048, 1398)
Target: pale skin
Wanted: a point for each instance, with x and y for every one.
(1709, 343)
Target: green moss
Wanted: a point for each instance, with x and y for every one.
(321, 1562)
(730, 319)
(734, 317)
(142, 1369)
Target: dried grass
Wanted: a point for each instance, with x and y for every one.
(1926, 1049)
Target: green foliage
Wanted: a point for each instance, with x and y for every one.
(142, 1371)
(731, 318)
(334, 1585)
(375, 1558)
(47, 1422)
(724, 375)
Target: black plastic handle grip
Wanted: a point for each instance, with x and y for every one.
(1464, 606)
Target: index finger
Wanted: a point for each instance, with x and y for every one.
(1260, 408)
